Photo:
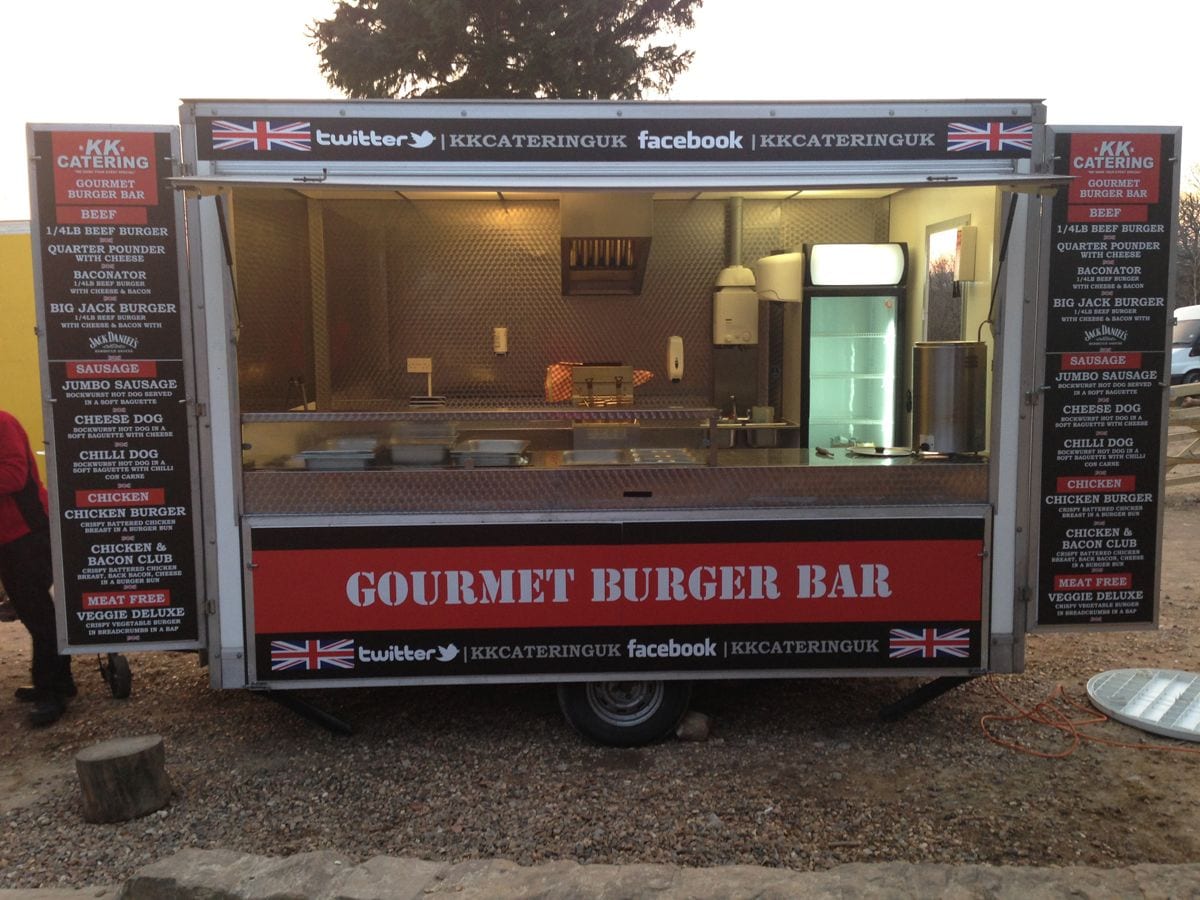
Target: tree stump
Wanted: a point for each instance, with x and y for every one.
(123, 778)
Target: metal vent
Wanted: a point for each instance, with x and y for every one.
(605, 242)
(604, 265)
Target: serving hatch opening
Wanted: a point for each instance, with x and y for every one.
(605, 240)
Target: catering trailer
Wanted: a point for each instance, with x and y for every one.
(610, 395)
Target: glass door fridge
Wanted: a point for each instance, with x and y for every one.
(851, 369)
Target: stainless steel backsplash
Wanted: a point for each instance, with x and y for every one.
(397, 279)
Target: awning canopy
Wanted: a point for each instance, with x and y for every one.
(325, 184)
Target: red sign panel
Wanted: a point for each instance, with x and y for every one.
(1114, 169)
(1101, 361)
(99, 169)
(439, 588)
(114, 369)
(1095, 484)
(126, 599)
(123, 497)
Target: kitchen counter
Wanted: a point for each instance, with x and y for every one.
(742, 478)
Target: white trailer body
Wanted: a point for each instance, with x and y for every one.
(393, 475)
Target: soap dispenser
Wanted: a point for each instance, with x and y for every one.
(675, 358)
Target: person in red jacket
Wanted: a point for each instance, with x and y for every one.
(27, 572)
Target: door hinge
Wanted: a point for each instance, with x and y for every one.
(1033, 395)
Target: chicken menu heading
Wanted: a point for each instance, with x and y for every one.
(113, 326)
(1106, 338)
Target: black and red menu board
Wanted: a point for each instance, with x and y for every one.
(112, 320)
(1106, 340)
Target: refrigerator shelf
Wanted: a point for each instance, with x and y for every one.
(849, 373)
(840, 420)
(853, 335)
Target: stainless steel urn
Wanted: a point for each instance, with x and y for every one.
(950, 396)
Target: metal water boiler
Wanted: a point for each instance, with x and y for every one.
(950, 396)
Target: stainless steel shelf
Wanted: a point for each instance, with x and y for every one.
(557, 413)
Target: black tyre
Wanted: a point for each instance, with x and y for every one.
(1191, 377)
(117, 674)
(624, 713)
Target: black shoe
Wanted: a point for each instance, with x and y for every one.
(29, 694)
(46, 711)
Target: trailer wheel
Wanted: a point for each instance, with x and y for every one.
(624, 713)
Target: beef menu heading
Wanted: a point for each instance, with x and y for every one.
(1105, 354)
(106, 241)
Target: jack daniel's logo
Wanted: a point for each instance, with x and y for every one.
(1106, 334)
(111, 342)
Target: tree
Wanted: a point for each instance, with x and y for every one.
(570, 49)
(1187, 244)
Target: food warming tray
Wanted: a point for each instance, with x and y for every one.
(490, 452)
(418, 453)
(421, 443)
(342, 453)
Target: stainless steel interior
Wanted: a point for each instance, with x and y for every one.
(334, 296)
(337, 296)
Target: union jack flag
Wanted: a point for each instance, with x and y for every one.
(989, 136)
(309, 655)
(929, 642)
(261, 135)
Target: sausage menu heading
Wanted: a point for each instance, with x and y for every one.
(106, 237)
(1105, 354)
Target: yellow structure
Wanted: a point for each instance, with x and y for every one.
(20, 373)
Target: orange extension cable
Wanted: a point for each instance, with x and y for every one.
(1055, 712)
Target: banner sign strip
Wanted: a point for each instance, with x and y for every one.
(269, 136)
(883, 646)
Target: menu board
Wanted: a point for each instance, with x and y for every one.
(1106, 338)
(112, 329)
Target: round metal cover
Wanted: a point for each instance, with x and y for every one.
(1161, 701)
(881, 451)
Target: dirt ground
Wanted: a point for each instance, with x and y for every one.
(801, 774)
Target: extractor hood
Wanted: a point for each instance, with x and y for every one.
(605, 241)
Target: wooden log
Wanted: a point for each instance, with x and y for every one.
(123, 778)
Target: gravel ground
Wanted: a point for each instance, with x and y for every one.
(798, 774)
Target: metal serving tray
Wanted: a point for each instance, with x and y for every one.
(341, 453)
(418, 453)
(490, 452)
(336, 459)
